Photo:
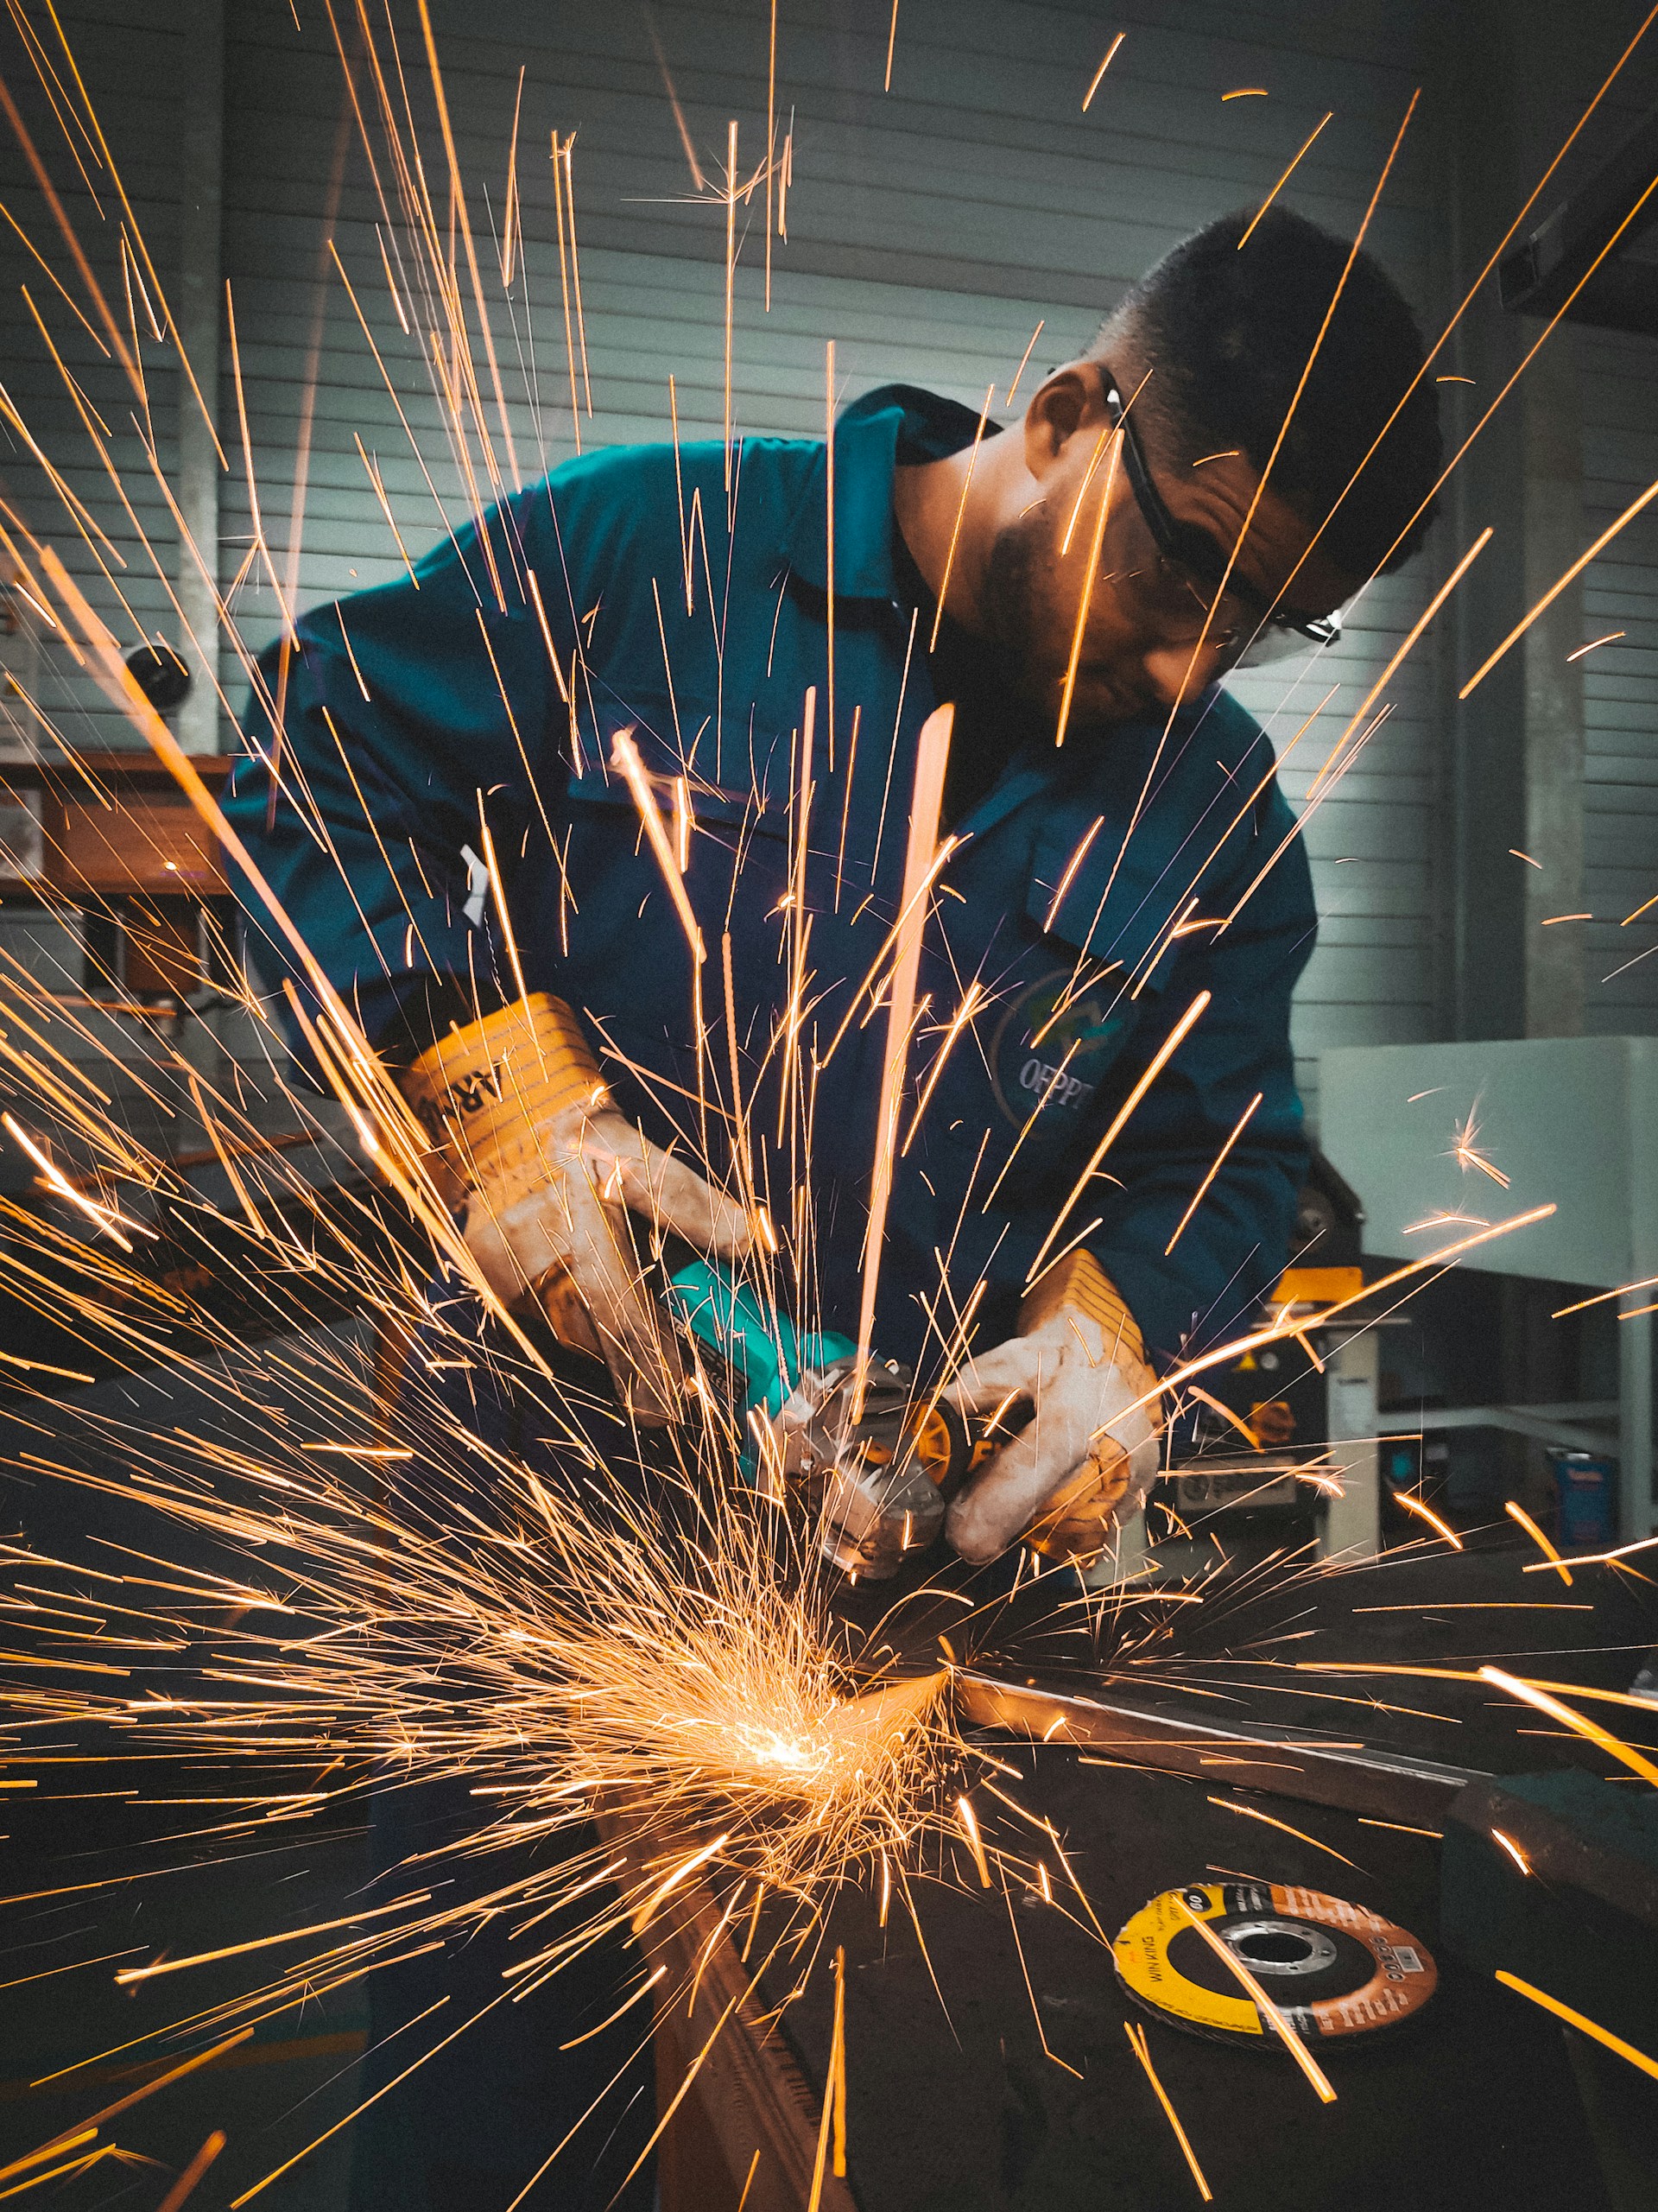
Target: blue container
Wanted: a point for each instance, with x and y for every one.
(1586, 1486)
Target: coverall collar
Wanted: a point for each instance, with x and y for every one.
(892, 422)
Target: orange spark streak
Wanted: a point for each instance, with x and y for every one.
(971, 999)
(641, 1916)
(840, 2067)
(1282, 182)
(1600, 1558)
(644, 1990)
(771, 163)
(1556, 588)
(1590, 1730)
(1254, 1812)
(1385, 678)
(1426, 1513)
(969, 1821)
(1069, 877)
(1282, 1329)
(160, 2082)
(1508, 1844)
(509, 213)
(51, 277)
(1463, 1674)
(127, 1976)
(1099, 73)
(1601, 1297)
(1086, 598)
(1269, 2012)
(829, 525)
(1594, 643)
(730, 286)
(1519, 1513)
(1137, 2044)
(1220, 1161)
(1577, 2020)
(624, 755)
(457, 188)
(1024, 358)
(55, 2149)
(931, 756)
(564, 285)
(1161, 1059)
(67, 228)
(193, 2173)
(892, 40)
(961, 509)
(695, 167)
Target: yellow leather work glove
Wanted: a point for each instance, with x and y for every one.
(1090, 1453)
(546, 1169)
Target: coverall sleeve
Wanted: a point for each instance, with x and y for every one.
(1236, 1244)
(409, 713)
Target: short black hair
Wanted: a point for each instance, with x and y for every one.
(1230, 332)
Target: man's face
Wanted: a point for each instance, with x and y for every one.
(1148, 640)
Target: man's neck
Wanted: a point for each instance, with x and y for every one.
(942, 504)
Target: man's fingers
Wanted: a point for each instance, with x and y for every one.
(643, 1358)
(1087, 1450)
(653, 1182)
(566, 1236)
(1002, 1499)
(1012, 1369)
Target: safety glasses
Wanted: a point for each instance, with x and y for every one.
(1190, 567)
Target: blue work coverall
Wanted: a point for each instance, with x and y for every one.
(644, 590)
(416, 709)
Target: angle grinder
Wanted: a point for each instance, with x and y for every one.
(877, 1474)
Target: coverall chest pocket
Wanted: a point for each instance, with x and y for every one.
(1095, 950)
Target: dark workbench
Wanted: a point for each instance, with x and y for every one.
(955, 2106)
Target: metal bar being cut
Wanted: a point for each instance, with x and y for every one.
(1384, 1785)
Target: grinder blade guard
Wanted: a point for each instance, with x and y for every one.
(879, 1484)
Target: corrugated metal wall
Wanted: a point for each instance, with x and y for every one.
(1620, 688)
(135, 70)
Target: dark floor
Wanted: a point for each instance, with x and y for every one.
(132, 1880)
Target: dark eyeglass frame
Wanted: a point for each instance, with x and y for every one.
(1278, 630)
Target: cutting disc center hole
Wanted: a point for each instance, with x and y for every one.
(1273, 1946)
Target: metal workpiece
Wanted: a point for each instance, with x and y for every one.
(1287, 1762)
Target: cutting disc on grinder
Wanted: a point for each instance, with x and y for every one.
(1336, 1971)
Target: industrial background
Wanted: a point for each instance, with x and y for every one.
(950, 196)
(930, 228)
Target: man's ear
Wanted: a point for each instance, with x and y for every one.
(1069, 403)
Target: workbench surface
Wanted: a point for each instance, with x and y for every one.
(955, 2106)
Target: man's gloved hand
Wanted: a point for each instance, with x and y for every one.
(546, 1169)
(1090, 1453)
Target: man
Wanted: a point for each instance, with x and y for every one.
(1187, 490)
